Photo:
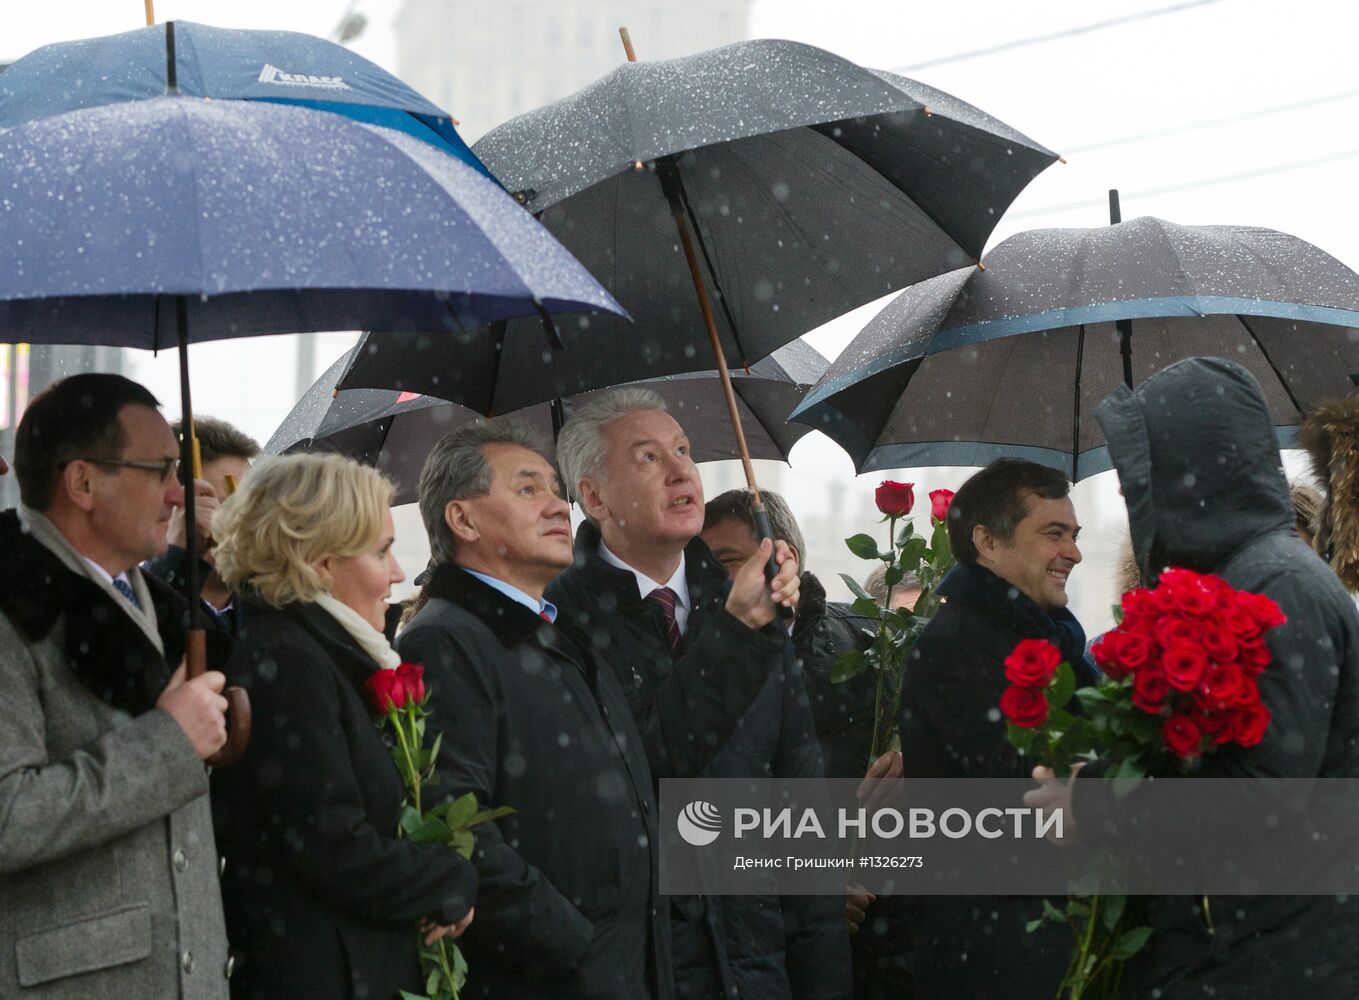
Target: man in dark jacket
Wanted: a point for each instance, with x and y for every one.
(568, 905)
(709, 673)
(1196, 456)
(822, 632)
(1013, 531)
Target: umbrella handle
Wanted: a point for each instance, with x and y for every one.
(238, 701)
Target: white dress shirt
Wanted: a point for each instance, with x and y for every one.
(645, 585)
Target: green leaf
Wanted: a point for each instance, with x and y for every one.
(1131, 943)
(1020, 738)
(1033, 925)
(893, 575)
(463, 808)
(1063, 686)
(408, 995)
(1051, 912)
(912, 552)
(905, 534)
(430, 831)
(863, 546)
(1092, 699)
(867, 607)
(1113, 911)
(849, 664)
(410, 820)
(463, 842)
(432, 982)
(1077, 908)
(489, 816)
(855, 587)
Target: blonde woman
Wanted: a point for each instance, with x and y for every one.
(322, 898)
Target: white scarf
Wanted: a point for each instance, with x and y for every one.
(373, 642)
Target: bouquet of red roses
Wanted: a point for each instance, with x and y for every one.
(1181, 674)
(399, 697)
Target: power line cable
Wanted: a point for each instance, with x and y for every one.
(1203, 182)
(1083, 29)
(1244, 116)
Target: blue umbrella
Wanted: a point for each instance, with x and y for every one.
(159, 222)
(256, 218)
(197, 60)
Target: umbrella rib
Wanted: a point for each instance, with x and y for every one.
(712, 271)
(1273, 367)
(1076, 407)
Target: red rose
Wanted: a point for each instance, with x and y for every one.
(1263, 609)
(1254, 656)
(1032, 663)
(1120, 652)
(1182, 736)
(1169, 630)
(1138, 604)
(1249, 724)
(381, 687)
(1185, 592)
(895, 499)
(1221, 684)
(1184, 664)
(939, 501)
(1249, 693)
(1149, 690)
(1241, 623)
(1218, 725)
(410, 678)
(1218, 642)
(1024, 706)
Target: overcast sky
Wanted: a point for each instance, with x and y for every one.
(1207, 111)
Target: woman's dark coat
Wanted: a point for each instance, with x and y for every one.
(322, 899)
(569, 903)
(732, 706)
(1196, 456)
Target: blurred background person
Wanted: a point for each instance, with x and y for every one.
(904, 594)
(322, 898)
(226, 453)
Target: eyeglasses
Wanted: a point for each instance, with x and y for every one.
(166, 468)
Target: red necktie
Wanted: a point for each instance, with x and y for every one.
(667, 599)
(544, 616)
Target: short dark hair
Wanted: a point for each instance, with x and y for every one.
(76, 417)
(997, 499)
(739, 505)
(219, 439)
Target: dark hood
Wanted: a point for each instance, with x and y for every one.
(1196, 456)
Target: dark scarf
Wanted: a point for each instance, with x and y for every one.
(978, 586)
(103, 646)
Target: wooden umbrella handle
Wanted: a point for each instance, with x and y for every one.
(238, 701)
(150, 12)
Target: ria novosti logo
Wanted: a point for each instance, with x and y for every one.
(276, 76)
(699, 823)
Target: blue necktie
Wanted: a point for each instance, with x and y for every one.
(125, 588)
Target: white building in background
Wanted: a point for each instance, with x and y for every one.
(488, 60)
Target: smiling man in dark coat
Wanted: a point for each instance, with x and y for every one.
(1013, 531)
(568, 904)
(710, 675)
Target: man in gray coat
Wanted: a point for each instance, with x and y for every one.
(108, 871)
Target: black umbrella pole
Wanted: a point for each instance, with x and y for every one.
(195, 637)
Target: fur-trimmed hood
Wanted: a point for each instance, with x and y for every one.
(1331, 436)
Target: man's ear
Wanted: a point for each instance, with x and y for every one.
(76, 481)
(587, 494)
(983, 540)
(458, 517)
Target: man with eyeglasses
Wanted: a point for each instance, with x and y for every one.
(108, 868)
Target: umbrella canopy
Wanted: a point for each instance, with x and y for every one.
(261, 219)
(811, 186)
(1013, 359)
(196, 60)
(395, 431)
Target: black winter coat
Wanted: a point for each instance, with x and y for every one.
(825, 631)
(970, 948)
(732, 705)
(322, 899)
(1196, 455)
(569, 905)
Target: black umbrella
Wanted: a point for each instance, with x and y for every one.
(1012, 360)
(799, 185)
(395, 431)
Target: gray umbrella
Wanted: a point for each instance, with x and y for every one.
(1011, 360)
(395, 431)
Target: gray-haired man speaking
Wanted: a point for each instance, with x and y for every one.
(709, 673)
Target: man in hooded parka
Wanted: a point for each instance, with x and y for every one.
(1196, 456)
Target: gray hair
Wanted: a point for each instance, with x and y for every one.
(580, 446)
(739, 505)
(457, 469)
